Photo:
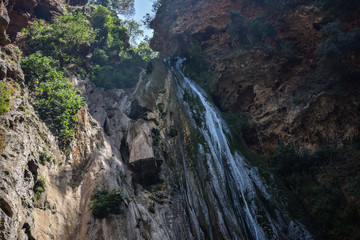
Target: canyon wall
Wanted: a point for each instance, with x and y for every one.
(274, 84)
(144, 142)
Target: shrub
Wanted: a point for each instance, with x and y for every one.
(39, 188)
(123, 75)
(197, 68)
(116, 65)
(289, 159)
(39, 68)
(336, 50)
(45, 157)
(249, 33)
(151, 208)
(105, 204)
(339, 7)
(66, 40)
(57, 102)
(4, 98)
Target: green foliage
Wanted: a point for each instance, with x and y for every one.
(4, 98)
(38, 68)
(145, 52)
(250, 33)
(337, 49)
(65, 40)
(105, 204)
(122, 75)
(57, 102)
(290, 159)
(151, 208)
(123, 7)
(116, 65)
(197, 68)
(71, 39)
(100, 57)
(39, 187)
(134, 30)
(156, 136)
(310, 176)
(110, 30)
(45, 157)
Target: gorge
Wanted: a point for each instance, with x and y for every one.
(246, 126)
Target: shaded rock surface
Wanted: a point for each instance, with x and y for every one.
(4, 23)
(21, 13)
(273, 85)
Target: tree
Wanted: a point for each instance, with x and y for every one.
(123, 7)
(66, 40)
(134, 30)
(146, 53)
(338, 51)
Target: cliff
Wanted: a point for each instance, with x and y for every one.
(289, 70)
(156, 160)
(274, 82)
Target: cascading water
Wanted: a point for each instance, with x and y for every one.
(235, 187)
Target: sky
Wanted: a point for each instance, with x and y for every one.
(142, 7)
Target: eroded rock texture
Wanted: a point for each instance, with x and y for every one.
(22, 11)
(276, 84)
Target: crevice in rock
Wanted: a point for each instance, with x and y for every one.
(6, 207)
(27, 228)
(124, 150)
(137, 111)
(42, 13)
(106, 127)
(33, 167)
(146, 171)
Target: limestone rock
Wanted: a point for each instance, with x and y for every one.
(142, 157)
(4, 23)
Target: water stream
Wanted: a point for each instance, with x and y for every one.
(235, 185)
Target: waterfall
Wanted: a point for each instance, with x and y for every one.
(235, 185)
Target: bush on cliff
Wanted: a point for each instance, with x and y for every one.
(66, 40)
(337, 50)
(56, 100)
(102, 35)
(197, 68)
(250, 33)
(316, 179)
(105, 204)
(4, 98)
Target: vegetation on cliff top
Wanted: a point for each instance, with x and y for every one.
(56, 100)
(90, 42)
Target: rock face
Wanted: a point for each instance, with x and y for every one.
(140, 141)
(4, 23)
(275, 86)
(22, 11)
